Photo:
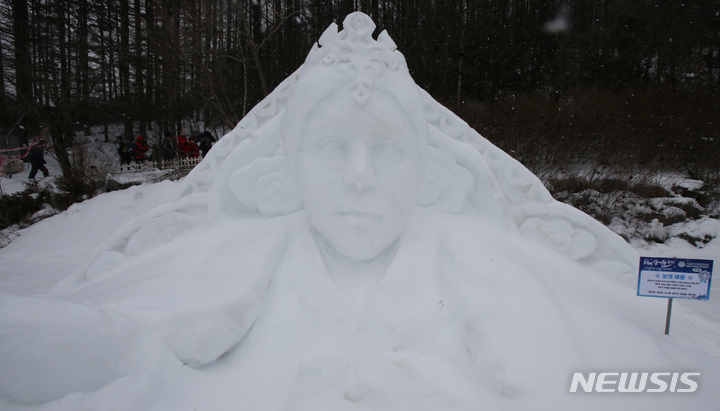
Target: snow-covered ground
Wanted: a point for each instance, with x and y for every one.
(14, 183)
(46, 252)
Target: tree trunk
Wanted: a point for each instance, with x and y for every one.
(150, 64)
(83, 75)
(125, 68)
(21, 32)
(2, 80)
(82, 70)
(253, 46)
(139, 66)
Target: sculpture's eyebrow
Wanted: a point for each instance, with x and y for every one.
(329, 139)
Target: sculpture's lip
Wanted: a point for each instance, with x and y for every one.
(362, 216)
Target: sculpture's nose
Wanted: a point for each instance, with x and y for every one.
(360, 173)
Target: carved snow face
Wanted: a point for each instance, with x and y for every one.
(359, 170)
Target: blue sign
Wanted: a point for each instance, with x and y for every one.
(675, 278)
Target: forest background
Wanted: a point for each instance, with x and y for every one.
(605, 83)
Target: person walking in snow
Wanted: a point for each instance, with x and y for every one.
(139, 148)
(168, 152)
(124, 151)
(37, 160)
(206, 143)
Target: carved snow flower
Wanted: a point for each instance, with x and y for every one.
(262, 185)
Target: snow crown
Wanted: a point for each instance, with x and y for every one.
(350, 61)
(353, 51)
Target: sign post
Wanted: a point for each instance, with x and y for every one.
(674, 278)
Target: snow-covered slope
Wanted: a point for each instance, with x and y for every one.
(47, 251)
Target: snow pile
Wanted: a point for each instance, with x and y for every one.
(350, 245)
(512, 302)
(59, 244)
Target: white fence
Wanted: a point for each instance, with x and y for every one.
(162, 165)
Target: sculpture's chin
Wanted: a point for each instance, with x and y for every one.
(358, 246)
(355, 243)
(358, 235)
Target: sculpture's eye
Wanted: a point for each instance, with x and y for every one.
(331, 146)
(390, 150)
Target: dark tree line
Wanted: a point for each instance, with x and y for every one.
(154, 64)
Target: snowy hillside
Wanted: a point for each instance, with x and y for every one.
(47, 252)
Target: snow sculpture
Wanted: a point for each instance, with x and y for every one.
(246, 175)
(356, 236)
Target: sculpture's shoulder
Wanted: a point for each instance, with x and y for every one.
(207, 257)
(477, 261)
(200, 294)
(467, 245)
(461, 235)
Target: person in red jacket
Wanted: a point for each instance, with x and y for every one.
(139, 148)
(187, 148)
